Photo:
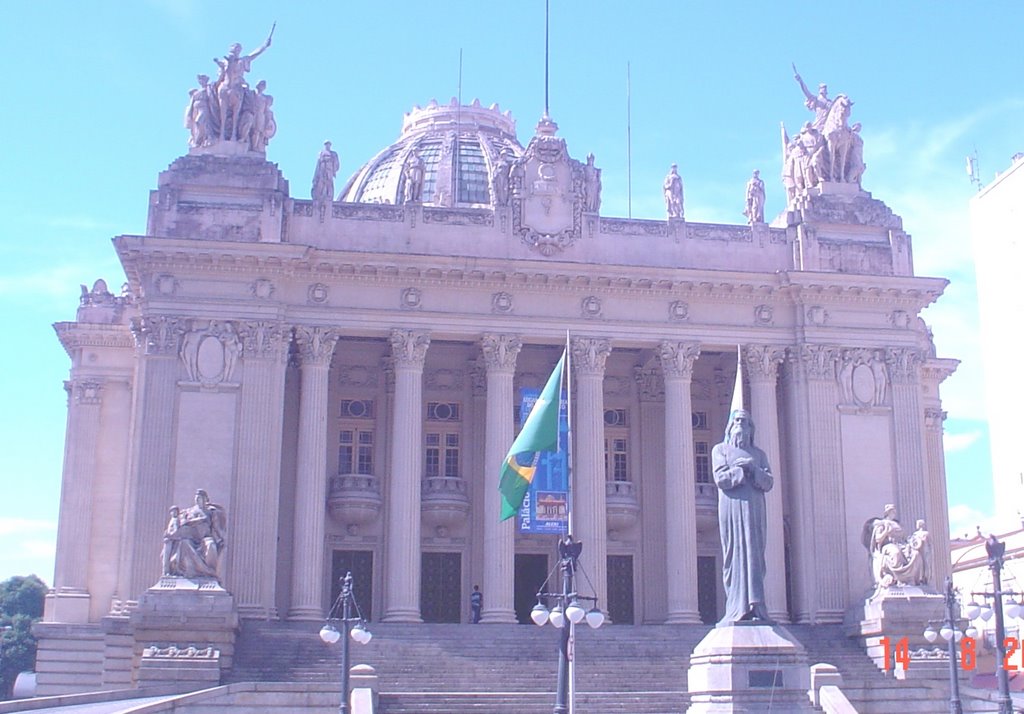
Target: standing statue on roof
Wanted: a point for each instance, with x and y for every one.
(818, 103)
(232, 89)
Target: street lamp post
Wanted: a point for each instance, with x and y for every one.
(566, 614)
(952, 635)
(996, 550)
(353, 625)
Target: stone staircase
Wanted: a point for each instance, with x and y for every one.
(499, 669)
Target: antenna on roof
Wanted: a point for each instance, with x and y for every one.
(547, 13)
(458, 129)
(629, 148)
(972, 169)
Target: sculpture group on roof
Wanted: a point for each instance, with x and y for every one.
(228, 109)
(826, 149)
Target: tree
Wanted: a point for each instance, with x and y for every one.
(21, 604)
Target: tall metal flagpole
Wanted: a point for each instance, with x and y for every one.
(629, 147)
(571, 647)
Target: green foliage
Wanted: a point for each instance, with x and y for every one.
(21, 604)
(22, 596)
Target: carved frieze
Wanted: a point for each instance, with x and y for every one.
(616, 386)
(411, 299)
(501, 302)
(316, 344)
(358, 375)
(210, 351)
(900, 319)
(166, 284)
(589, 354)
(500, 351)
(317, 294)
(678, 311)
(677, 358)
(409, 347)
(368, 212)
(764, 315)
(633, 227)
(261, 288)
(816, 315)
(590, 306)
(862, 377)
(158, 335)
(459, 216)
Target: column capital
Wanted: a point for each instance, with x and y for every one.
(158, 334)
(500, 351)
(677, 358)
(409, 347)
(316, 344)
(84, 390)
(933, 418)
(264, 339)
(762, 361)
(589, 354)
(904, 364)
(817, 361)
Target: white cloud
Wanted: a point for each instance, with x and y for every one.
(964, 520)
(12, 526)
(959, 442)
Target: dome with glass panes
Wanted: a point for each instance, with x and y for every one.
(459, 147)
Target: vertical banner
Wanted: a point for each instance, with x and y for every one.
(546, 506)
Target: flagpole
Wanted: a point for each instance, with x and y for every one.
(568, 438)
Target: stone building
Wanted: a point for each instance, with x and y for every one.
(342, 377)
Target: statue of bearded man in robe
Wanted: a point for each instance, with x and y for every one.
(743, 476)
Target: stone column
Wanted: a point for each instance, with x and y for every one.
(500, 352)
(149, 483)
(677, 360)
(257, 478)
(69, 601)
(907, 415)
(316, 347)
(762, 366)
(937, 518)
(826, 490)
(589, 516)
(402, 561)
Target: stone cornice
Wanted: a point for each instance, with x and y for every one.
(141, 254)
(75, 335)
(936, 369)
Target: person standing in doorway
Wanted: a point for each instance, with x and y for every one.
(476, 604)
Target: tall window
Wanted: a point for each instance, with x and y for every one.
(702, 461)
(442, 440)
(616, 445)
(355, 437)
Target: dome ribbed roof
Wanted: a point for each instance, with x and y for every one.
(459, 146)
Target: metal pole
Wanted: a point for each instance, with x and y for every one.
(562, 693)
(955, 707)
(996, 564)
(346, 618)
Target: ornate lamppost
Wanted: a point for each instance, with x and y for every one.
(566, 613)
(951, 634)
(996, 549)
(352, 625)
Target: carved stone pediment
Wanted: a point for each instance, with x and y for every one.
(547, 193)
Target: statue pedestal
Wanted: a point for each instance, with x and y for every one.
(184, 633)
(896, 613)
(753, 667)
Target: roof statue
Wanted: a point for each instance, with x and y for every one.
(754, 210)
(673, 189)
(228, 113)
(825, 150)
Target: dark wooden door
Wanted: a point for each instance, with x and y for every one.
(620, 589)
(530, 573)
(441, 582)
(360, 564)
(707, 589)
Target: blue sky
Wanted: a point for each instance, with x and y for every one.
(95, 92)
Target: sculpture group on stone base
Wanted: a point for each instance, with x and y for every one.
(825, 149)
(194, 539)
(228, 109)
(895, 558)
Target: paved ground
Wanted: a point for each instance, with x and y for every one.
(100, 707)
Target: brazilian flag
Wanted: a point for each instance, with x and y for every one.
(539, 433)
